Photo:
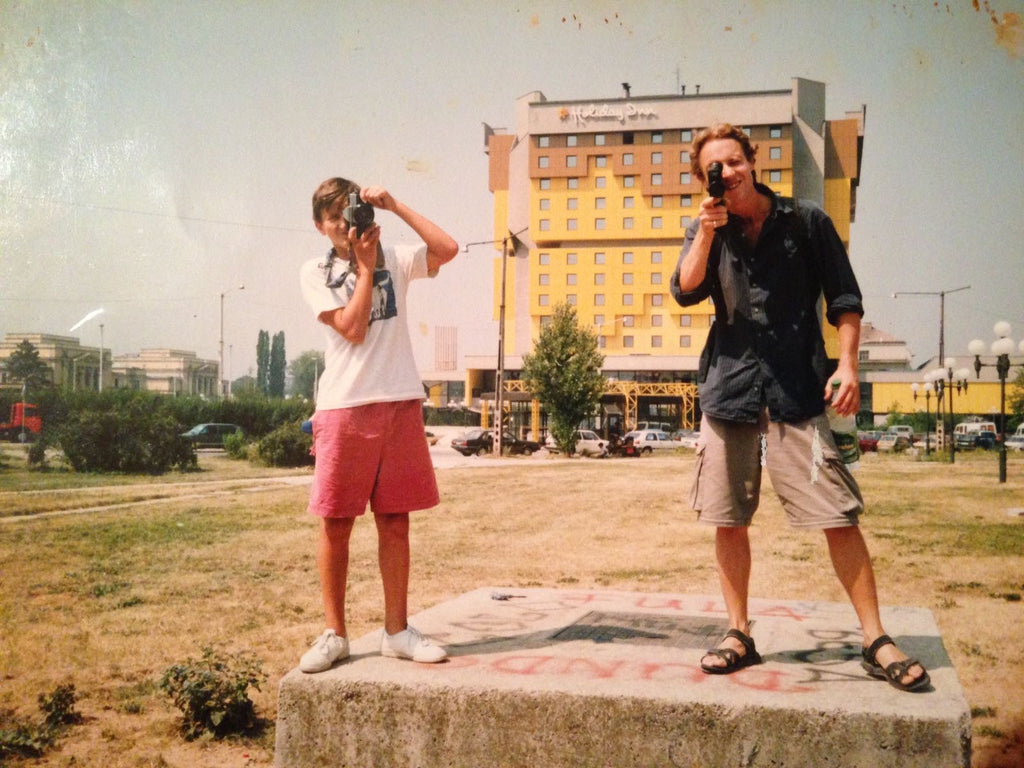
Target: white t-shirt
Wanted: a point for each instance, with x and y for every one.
(381, 369)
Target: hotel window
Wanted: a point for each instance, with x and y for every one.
(542, 299)
(684, 177)
(627, 299)
(545, 183)
(629, 181)
(627, 257)
(775, 176)
(627, 222)
(627, 137)
(775, 132)
(600, 182)
(598, 320)
(684, 221)
(627, 202)
(685, 321)
(655, 257)
(599, 223)
(686, 135)
(657, 201)
(545, 259)
(657, 137)
(684, 157)
(572, 224)
(601, 161)
(570, 258)
(571, 140)
(599, 139)
(655, 278)
(628, 321)
(599, 278)
(656, 300)
(571, 299)
(627, 341)
(544, 141)
(572, 183)
(684, 341)
(599, 258)
(570, 279)
(544, 279)
(600, 203)
(656, 179)
(627, 158)
(655, 341)
(545, 321)
(545, 225)
(656, 222)
(685, 201)
(543, 161)
(601, 342)
(655, 158)
(572, 203)
(545, 204)
(775, 153)
(598, 299)
(570, 161)
(627, 278)
(657, 321)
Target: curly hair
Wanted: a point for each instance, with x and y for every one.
(719, 131)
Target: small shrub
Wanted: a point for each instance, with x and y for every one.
(212, 692)
(235, 446)
(286, 446)
(24, 739)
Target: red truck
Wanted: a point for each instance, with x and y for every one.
(24, 420)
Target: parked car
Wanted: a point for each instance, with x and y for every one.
(892, 442)
(211, 435)
(966, 441)
(481, 442)
(868, 441)
(664, 426)
(588, 443)
(1015, 443)
(687, 438)
(648, 440)
(903, 429)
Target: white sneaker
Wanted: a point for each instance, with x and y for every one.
(410, 644)
(327, 649)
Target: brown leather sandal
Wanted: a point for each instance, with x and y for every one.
(733, 661)
(895, 672)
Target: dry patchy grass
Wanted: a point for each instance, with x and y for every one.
(109, 599)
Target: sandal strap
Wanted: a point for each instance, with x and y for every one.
(898, 669)
(728, 655)
(746, 640)
(870, 652)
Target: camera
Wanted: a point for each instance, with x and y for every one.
(358, 214)
(716, 187)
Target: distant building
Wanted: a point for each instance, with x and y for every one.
(599, 195)
(880, 351)
(72, 366)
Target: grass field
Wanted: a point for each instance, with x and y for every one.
(108, 581)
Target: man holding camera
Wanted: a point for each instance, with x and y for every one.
(765, 260)
(368, 435)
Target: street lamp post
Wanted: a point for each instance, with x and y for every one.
(221, 390)
(956, 378)
(1002, 347)
(926, 388)
(942, 312)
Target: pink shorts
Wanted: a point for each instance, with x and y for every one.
(374, 454)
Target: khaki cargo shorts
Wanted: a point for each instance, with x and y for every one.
(812, 482)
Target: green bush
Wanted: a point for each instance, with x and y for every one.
(125, 432)
(286, 446)
(236, 446)
(213, 692)
(24, 739)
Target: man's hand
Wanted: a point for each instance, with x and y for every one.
(379, 197)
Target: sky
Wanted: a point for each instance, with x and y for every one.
(156, 155)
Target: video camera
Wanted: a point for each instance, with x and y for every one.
(716, 187)
(358, 214)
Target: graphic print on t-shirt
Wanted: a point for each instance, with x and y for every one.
(384, 304)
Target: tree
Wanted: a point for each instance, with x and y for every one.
(24, 364)
(305, 369)
(263, 361)
(564, 371)
(1015, 396)
(278, 364)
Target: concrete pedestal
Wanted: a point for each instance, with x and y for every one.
(605, 678)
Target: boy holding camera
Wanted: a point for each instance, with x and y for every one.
(368, 433)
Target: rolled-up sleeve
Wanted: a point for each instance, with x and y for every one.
(838, 282)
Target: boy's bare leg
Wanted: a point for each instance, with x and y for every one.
(732, 550)
(332, 563)
(393, 554)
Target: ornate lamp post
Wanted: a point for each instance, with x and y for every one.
(1002, 348)
(926, 388)
(955, 378)
(223, 390)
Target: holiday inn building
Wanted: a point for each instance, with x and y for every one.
(591, 204)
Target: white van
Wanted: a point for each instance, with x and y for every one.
(971, 427)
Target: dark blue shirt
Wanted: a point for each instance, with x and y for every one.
(765, 346)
